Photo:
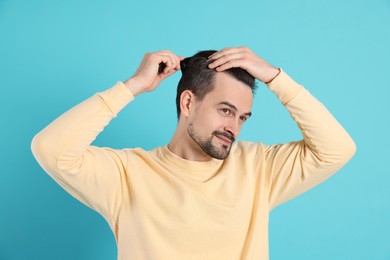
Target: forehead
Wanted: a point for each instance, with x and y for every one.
(227, 88)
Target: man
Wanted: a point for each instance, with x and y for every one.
(202, 196)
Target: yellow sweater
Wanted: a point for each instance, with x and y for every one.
(160, 206)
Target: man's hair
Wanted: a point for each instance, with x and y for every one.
(199, 78)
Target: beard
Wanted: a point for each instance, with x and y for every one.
(207, 146)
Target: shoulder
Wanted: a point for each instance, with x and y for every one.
(246, 157)
(139, 152)
(248, 147)
(139, 158)
(248, 150)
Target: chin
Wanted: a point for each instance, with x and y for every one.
(221, 153)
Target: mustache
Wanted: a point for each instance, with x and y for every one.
(227, 135)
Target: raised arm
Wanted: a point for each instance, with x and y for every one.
(295, 167)
(63, 149)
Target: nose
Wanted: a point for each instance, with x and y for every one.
(233, 127)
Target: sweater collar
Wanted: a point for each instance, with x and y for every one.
(198, 171)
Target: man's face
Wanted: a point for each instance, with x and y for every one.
(216, 121)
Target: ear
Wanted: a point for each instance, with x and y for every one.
(187, 98)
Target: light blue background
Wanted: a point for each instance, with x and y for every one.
(54, 54)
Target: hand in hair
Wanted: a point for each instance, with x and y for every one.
(149, 74)
(244, 58)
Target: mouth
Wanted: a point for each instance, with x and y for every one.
(225, 138)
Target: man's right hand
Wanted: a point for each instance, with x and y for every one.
(147, 78)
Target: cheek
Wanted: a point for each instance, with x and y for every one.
(215, 122)
(208, 123)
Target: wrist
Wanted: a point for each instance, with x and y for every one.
(133, 86)
(272, 75)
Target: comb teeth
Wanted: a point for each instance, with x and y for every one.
(161, 67)
(183, 65)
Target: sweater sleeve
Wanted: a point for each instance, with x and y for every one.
(63, 149)
(295, 167)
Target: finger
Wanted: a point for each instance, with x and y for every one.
(175, 62)
(163, 57)
(177, 67)
(225, 51)
(172, 64)
(229, 65)
(181, 58)
(221, 52)
(169, 52)
(166, 75)
(166, 51)
(167, 60)
(226, 58)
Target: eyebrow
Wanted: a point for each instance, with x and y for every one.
(233, 107)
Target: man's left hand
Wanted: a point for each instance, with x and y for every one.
(244, 58)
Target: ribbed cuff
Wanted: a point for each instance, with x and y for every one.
(116, 97)
(284, 87)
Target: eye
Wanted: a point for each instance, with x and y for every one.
(226, 111)
(243, 118)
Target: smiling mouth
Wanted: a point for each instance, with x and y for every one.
(225, 138)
